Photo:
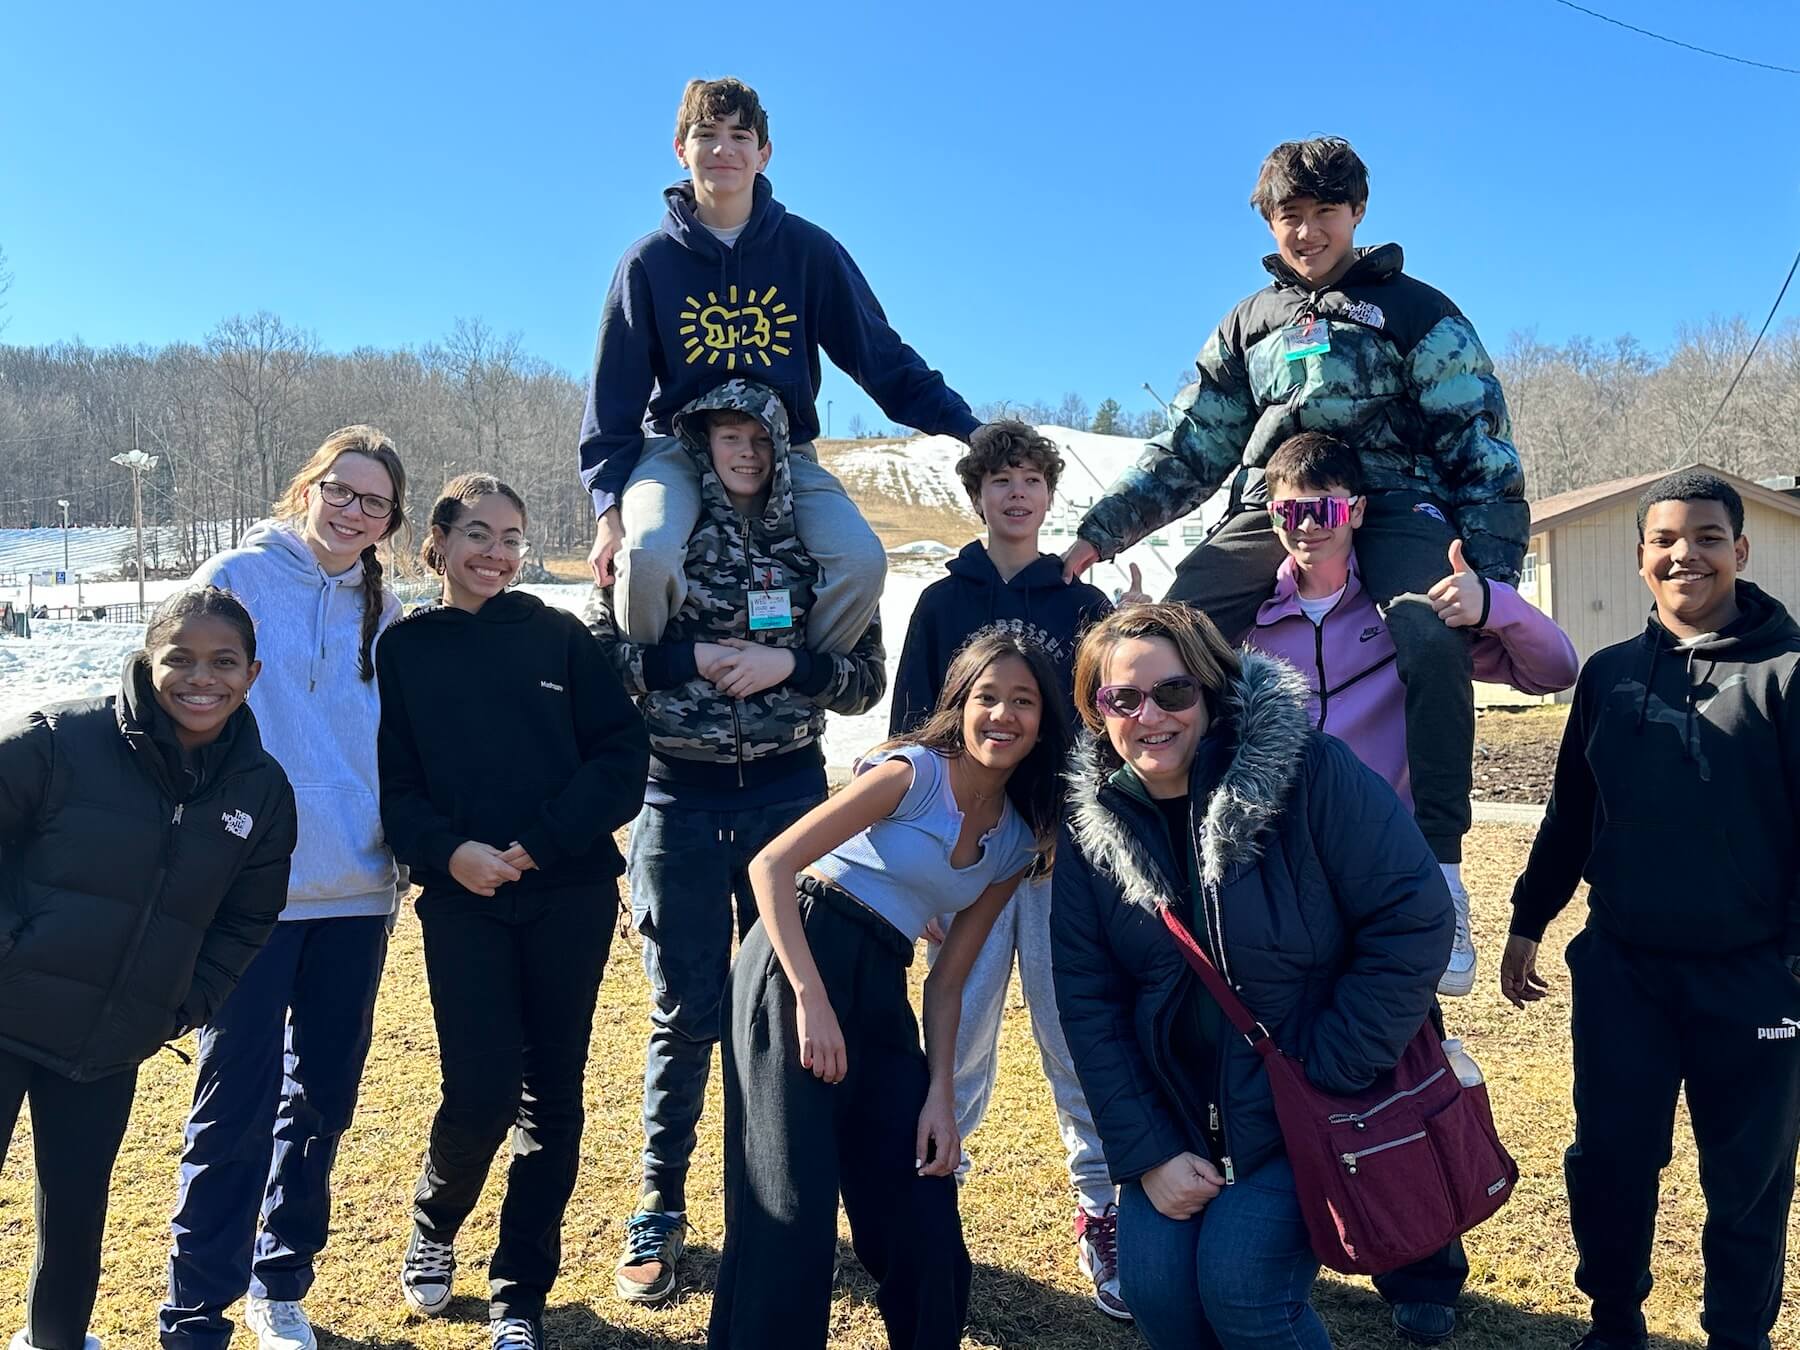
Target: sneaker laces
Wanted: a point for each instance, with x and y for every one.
(429, 1262)
(1101, 1232)
(286, 1316)
(647, 1235)
(514, 1333)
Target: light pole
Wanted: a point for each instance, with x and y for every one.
(827, 419)
(139, 463)
(64, 503)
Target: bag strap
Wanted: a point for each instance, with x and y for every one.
(1216, 984)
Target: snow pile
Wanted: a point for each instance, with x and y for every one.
(63, 661)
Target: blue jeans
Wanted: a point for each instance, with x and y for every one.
(275, 1088)
(1238, 1276)
(685, 868)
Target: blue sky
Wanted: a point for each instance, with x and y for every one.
(1047, 196)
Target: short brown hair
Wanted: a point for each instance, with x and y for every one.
(715, 100)
(461, 492)
(1315, 459)
(1007, 444)
(1204, 653)
(1324, 168)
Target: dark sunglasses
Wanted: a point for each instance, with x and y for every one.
(1175, 694)
(1330, 512)
(374, 506)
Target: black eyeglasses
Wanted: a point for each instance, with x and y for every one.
(374, 505)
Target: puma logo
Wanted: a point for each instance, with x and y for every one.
(1788, 1029)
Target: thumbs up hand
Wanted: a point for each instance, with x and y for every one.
(1134, 594)
(1460, 599)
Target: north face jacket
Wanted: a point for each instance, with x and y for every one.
(505, 725)
(1318, 899)
(697, 734)
(1406, 384)
(133, 892)
(686, 312)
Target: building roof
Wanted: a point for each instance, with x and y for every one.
(1567, 507)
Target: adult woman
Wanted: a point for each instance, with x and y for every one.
(281, 1060)
(1199, 787)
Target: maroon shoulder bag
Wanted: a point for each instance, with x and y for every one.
(1388, 1175)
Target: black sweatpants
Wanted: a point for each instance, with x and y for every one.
(1728, 1028)
(1402, 551)
(75, 1134)
(794, 1144)
(513, 982)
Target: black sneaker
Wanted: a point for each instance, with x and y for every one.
(427, 1273)
(1424, 1323)
(654, 1241)
(515, 1333)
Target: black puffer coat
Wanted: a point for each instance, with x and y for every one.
(132, 893)
(1318, 899)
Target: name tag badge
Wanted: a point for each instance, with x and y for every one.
(770, 609)
(1308, 338)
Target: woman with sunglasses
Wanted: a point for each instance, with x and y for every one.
(281, 1059)
(509, 755)
(1201, 790)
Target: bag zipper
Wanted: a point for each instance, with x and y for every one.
(1351, 1159)
(1360, 1118)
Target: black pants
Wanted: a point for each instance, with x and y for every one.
(75, 1134)
(1402, 551)
(794, 1144)
(1646, 1024)
(513, 984)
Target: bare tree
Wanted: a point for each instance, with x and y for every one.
(258, 361)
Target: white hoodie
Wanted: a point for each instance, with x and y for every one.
(317, 715)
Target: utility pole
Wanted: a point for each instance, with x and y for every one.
(64, 503)
(827, 419)
(139, 463)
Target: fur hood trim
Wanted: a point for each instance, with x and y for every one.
(1267, 704)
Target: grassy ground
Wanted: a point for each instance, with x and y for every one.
(1016, 1210)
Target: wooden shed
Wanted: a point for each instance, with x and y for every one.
(1582, 565)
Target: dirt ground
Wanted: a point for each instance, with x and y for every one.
(1515, 752)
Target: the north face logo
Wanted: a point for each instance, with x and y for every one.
(1365, 312)
(238, 823)
(1788, 1029)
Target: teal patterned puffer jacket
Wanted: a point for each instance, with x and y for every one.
(1406, 383)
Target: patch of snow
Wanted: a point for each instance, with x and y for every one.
(929, 548)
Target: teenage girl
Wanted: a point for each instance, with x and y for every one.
(827, 1092)
(509, 755)
(280, 1061)
(144, 842)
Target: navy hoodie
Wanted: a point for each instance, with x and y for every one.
(1677, 792)
(685, 312)
(1035, 603)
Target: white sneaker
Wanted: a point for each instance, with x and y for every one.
(279, 1324)
(1097, 1245)
(515, 1333)
(427, 1274)
(1458, 978)
(19, 1342)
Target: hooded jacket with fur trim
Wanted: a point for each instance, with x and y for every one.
(1319, 900)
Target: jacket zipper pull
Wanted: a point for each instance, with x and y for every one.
(1212, 1117)
(1231, 1176)
(1349, 1163)
(176, 818)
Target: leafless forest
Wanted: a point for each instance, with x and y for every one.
(231, 416)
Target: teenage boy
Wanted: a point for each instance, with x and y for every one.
(732, 284)
(1322, 621)
(1677, 798)
(1343, 341)
(1010, 474)
(734, 693)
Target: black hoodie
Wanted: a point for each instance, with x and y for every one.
(1035, 603)
(1677, 791)
(503, 725)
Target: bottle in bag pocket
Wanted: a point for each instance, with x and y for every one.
(1467, 1071)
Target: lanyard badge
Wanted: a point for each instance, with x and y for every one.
(1308, 337)
(770, 606)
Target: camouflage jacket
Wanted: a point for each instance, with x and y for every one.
(1405, 383)
(728, 556)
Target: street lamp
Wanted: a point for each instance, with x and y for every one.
(827, 419)
(139, 463)
(64, 503)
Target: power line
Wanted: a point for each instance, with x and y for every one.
(1732, 387)
(1675, 42)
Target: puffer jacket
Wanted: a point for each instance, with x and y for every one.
(1406, 383)
(1318, 899)
(132, 894)
(693, 727)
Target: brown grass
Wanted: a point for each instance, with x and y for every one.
(1016, 1209)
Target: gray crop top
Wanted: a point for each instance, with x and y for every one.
(900, 866)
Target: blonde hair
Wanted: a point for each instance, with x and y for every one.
(1204, 652)
(291, 505)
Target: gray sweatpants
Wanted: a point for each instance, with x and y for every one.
(661, 506)
(1023, 928)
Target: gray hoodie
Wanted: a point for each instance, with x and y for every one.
(317, 716)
